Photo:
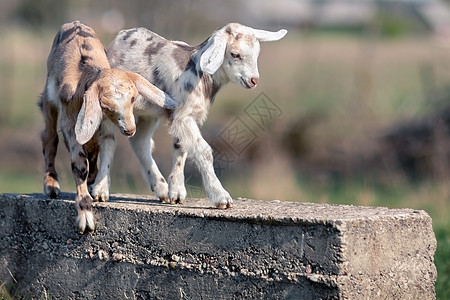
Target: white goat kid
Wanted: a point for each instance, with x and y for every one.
(192, 75)
(89, 98)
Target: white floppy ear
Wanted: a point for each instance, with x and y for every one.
(214, 53)
(269, 36)
(89, 116)
(151, 93)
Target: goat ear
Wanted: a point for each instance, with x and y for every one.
(89, 117)
(151, 93)
(214, 52)
(269, 36)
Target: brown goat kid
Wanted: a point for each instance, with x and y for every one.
(88, 97)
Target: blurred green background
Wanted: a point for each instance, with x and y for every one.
(362, 90)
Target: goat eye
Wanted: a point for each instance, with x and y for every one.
(133, 99)
(235, 55)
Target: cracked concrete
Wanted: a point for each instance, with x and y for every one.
(276, 250)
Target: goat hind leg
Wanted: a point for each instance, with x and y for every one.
(177, 189)
(49, 138)
(92, 156)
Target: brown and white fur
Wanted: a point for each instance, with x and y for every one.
(89, 98)
(192, 75)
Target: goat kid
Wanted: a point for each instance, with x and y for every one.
(193, 75)
(89, 99)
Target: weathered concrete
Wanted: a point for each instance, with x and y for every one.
(275, 250)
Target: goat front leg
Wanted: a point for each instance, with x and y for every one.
(192, 142)
(107, 146)
(177, 190)
(142, 144)
(80, 171)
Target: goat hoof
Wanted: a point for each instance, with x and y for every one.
(85, 222)
(224, 205)
(52, 191)
(164, 199)
(176, 201)
(221, 201)
(100, 197)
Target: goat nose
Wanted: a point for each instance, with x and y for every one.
(129, 131)
(254, 80)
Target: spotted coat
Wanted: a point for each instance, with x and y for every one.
(192, 75)
(87, 98)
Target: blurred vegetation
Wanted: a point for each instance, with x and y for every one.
(343, 90)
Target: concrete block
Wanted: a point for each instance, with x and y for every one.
(258, 249)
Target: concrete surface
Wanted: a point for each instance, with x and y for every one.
(143, 249)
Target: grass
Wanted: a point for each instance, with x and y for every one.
(20, 181)
(441, 260)
(11, 293)
(4, 293)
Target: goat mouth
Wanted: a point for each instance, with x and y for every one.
(245, 84)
